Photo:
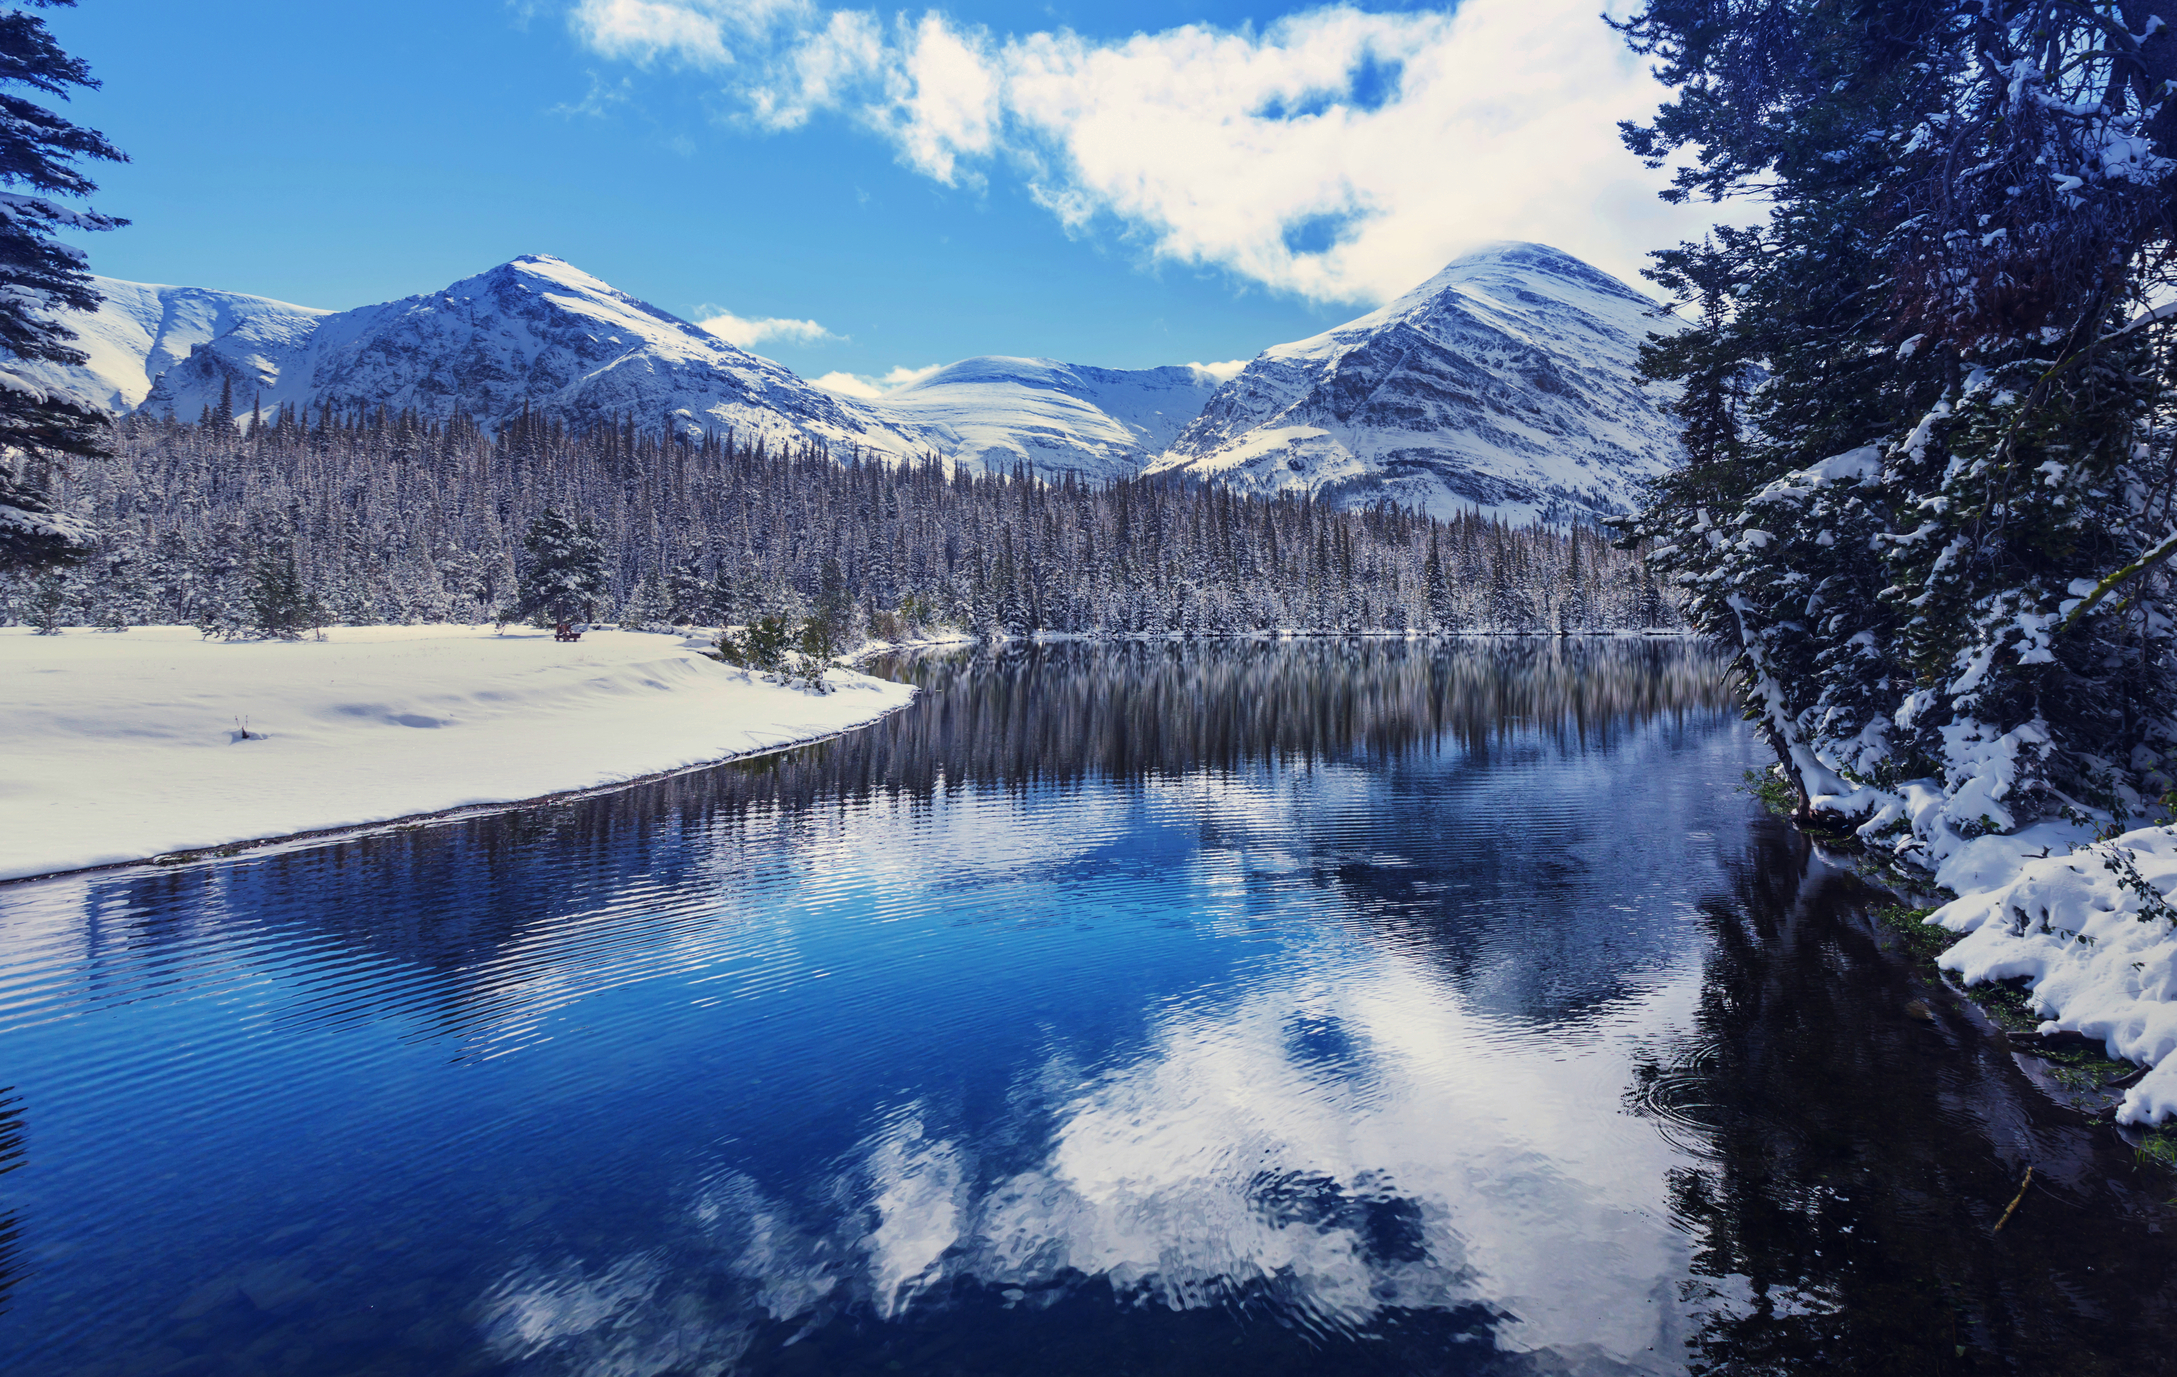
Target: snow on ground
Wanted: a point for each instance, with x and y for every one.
(116, 747)
(2087, 924)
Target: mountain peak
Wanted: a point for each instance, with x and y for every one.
(1530, 263)
(531, 270)
(1506, 381)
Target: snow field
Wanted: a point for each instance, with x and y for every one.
(116, 747)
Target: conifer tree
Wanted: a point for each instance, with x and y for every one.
(281, 607)
(1952, 442)
(689, 597)
(564, 577)
(39, 152)
(647, 608)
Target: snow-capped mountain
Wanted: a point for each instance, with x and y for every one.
(1504, 382)
(142, 329)
(535, 332)
(995, 412)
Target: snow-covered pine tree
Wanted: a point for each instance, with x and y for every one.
(39, 152)
(833, 609)
(564, 575)
(647, 608)
(115, 596)
(690, 598)
(1956, 443)
(281, 606)
(49, 603)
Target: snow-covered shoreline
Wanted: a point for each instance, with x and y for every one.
(119, 747)
(2087, 924)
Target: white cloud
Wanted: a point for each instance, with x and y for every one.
(944, 98)
(818, 71)
(848, 385)
(747, 334)
(870, 387)
(1336, 153)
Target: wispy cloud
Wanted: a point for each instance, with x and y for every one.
(745, 333)
(870, 387)
(693, 32)
(602, 98)
(1336, 153)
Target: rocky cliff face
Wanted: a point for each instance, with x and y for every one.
(1505, 382)
(535, 332)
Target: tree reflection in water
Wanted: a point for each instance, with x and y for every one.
(1349, 945)
(1853, 1161)
(11, 1227)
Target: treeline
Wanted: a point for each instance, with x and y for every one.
(382, 517)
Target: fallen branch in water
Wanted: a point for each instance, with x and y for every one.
(2016, 1200)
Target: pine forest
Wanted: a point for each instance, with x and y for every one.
(381, 517)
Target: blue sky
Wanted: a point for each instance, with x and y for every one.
(1120, 184)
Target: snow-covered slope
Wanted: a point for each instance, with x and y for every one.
(142, 329)
(1504, 382)
(534, 332)
(122, 747)
(994, 412)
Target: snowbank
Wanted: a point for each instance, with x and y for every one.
(2092, 932)
(115, 747)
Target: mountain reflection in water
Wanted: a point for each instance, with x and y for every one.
(1280, 1008)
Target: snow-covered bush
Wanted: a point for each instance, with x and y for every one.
(2097, 939)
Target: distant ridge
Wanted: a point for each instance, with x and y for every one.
(994, 412)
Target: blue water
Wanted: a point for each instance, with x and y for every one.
(1297, 1008)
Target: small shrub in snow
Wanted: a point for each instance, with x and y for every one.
(817, 652)
(2087, 942)
(771, 647)
(760, 646)
(2120, 861)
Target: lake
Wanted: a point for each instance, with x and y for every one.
(1304, 1007)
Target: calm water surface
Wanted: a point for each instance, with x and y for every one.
(1273, 1009)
